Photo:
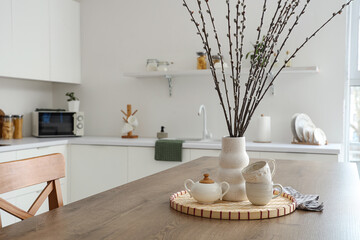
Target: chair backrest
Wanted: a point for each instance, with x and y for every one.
(23, 173)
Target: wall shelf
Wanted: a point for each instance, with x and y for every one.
(169, 75)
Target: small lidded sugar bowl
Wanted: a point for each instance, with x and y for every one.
(206, 190)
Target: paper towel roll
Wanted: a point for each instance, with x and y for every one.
(264, 129)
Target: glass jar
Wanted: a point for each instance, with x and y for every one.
(201, 61)
(152, 65)
(7, 127)
(215, 59)
(163, 66)
(18, 126)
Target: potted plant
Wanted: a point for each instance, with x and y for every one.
(239, 98)
(73, 102)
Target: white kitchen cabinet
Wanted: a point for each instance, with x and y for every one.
(6, 38)
(31, 39)
(34, 152)
(7, 156)
(94, 169)
(6, 218)
(40, 40)
(65, 41)
(142, 163)
(197, 153)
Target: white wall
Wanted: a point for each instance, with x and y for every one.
(23, 96)
(118, 36)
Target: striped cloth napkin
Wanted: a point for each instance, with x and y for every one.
(306, 202)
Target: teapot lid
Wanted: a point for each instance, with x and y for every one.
(206, 179)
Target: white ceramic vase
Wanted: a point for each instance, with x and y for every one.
(233, 158)
(74, 106)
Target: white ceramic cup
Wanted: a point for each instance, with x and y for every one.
(261, 193)
(259, 172)
(133, 121)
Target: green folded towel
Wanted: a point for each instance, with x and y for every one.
(168, 150)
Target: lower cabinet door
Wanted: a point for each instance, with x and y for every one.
(142, 162)
(6, 218)
(94, 169)
(7, 156)
(198, 153)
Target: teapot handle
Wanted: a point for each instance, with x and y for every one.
(227, 189)
(186, 183)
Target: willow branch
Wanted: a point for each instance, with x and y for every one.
(207, 48)
(222, 63)
(301, 46)
(246, 100)
(243, 20)
(235, 79)
(230, 43)
(271, 39)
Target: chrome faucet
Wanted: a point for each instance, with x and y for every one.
(206, 134)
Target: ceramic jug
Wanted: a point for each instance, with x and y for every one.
(206, 191)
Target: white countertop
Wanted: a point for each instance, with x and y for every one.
(32, 142)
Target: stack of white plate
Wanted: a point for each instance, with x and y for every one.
(305, 131)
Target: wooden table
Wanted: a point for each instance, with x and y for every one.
(140, 209)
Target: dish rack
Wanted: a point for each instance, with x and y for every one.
(295, 141)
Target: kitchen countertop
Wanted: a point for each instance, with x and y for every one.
(32, 142)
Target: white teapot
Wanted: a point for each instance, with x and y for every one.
(206, 191)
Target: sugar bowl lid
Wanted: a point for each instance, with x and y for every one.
(206, 179)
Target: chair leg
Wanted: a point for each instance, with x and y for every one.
(55, 197)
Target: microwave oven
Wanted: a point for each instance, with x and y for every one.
(57, 124)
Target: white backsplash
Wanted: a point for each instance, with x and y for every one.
(23, 96)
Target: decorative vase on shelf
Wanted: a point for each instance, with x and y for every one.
(233, 158)
(73, 106)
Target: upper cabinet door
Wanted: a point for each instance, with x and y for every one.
(6, 38)
(31, 39)
(65, 41)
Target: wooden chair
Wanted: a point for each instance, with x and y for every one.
(23, 173)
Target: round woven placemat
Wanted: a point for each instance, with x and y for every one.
(224, 210)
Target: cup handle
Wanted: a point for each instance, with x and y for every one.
(280, 188)
(273, 168)
(186, 183)
(226, 191)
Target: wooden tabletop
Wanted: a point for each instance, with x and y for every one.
(140, 209)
